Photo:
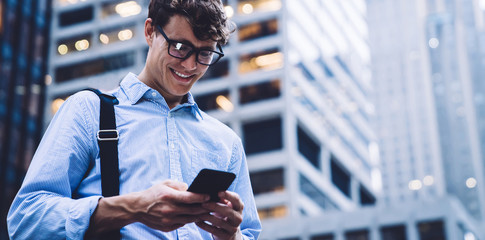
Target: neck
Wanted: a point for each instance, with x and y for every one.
(172, 101)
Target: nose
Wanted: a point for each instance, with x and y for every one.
(190, 63)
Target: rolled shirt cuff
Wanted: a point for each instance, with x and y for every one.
(80, 213)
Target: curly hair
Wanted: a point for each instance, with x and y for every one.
(207, 17)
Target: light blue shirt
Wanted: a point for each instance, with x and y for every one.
(62, 186)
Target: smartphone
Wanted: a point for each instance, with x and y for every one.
(211, 182)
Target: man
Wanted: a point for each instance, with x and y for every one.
(164, 140)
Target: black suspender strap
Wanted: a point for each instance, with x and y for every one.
(108, 151)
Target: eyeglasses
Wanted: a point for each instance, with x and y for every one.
(185, 50)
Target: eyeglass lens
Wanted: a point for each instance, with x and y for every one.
(181, 50)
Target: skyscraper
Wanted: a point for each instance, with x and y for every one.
(298, 81)
(429, 101)
(24, 30)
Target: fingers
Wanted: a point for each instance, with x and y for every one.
(181, 186)
(234, 200)
(217, 232)
(171, 209)
(219, 222)
(223, 211)
(225, 216)
(186, 198)
(176, 192)
(168, 206)
(172, 221)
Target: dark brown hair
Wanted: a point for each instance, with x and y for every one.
(207, 17)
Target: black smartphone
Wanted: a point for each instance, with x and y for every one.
(211, 182)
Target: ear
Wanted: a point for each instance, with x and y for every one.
(149, 32)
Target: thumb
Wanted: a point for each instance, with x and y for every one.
(181, 186)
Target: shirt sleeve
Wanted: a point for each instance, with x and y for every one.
(44, 207)
(251, 225)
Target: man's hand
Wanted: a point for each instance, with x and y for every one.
(224, 218)
(166, 206)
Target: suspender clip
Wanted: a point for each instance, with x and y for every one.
(108, 135)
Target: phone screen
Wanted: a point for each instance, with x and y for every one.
(211, 182)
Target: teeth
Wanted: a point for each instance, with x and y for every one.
(180, 74)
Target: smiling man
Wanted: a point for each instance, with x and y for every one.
(164, 141)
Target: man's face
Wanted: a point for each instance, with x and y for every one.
(171, 76)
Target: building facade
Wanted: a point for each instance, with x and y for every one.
(24, 31)
(429, 100)
(294, 84)
(94, 44)
(440, 219)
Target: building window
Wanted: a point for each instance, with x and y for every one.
(315, 194)
(258, 30)
(263, 136)
(123, 9)
(324, 66)
(117, 34)
(260, 91)
(308, 147)
(94, 67)
(273, 212)
(327, 236)
(340, 177)
(357, 235)
(263, 60)
(267, 181)
(213, 101)
(76, 16)
(75, 44)
(343, 64)
(220, 69)
(431, 230)
(250, 6)
(397, 232)
(304, 70)
(366, 198)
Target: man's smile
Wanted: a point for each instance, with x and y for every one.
(181, 75)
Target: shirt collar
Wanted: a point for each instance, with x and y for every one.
(136, 89)
(192, 104)
(133, 88)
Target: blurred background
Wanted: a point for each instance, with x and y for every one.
(361, 119)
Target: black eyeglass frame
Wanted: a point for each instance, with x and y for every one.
(192, 51)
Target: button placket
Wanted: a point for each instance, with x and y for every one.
(175, 168)
(174, 155)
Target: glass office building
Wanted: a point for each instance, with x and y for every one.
(298, 82)
(412, 220)
(429, 100)
(24, 31)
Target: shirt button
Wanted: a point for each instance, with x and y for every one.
(172, 145)
(154, 94)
